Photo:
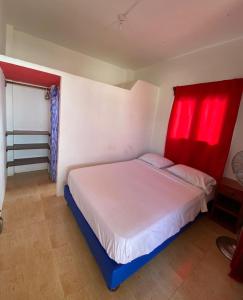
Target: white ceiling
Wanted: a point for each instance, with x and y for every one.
(155, 29)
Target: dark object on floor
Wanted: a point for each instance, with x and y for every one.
(237, 260)
(233, 250)
(227, 246)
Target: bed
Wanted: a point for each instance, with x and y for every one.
(129, 211)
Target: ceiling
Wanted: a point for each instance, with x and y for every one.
(155, 29)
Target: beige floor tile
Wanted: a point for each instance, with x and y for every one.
(13, 285)
(43, 255)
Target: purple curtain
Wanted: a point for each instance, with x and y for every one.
(54, 94)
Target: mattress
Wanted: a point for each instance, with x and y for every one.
(132, 207)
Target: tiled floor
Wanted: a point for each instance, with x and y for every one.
(44, 256)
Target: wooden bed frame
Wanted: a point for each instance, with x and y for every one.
(113, 273)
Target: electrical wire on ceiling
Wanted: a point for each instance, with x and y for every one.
(123, 17)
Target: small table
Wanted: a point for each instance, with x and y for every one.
(227, 208)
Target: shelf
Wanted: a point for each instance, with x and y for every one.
(229, 205)
(28, 146)
(226, 210)
(231, 183)
(28, 161)
(226, 220)
(27, 132)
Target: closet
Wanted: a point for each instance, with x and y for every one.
(28, 118)
(28, 127)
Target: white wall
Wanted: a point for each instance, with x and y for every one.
(105, 123)
(26, 109)
(212, 64)
(2, 28)
(2, 139)
(29, 48)
(30, 109)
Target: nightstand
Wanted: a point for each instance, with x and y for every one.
(227, 207)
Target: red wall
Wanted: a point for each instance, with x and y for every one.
(27, 75)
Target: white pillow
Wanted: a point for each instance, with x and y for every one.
(156, 160)
(194, 176)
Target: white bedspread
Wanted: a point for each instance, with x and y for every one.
(132, 207)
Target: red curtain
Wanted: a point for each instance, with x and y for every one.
(237, 261)
(201, 124)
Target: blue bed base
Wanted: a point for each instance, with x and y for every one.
(113, 273)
